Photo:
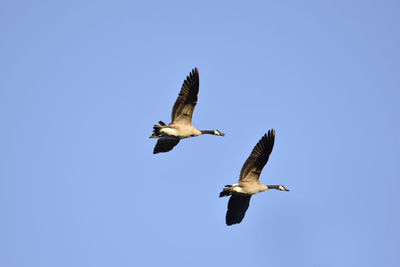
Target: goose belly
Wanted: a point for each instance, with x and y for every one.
(246, 190)
(181, 132)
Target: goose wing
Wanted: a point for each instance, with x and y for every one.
(254, 164)
(237, 207)
(165, 144)
(184, 105)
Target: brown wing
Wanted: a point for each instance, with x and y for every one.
(253, 166)
(165, 144)
(237, 207)
(184, 105)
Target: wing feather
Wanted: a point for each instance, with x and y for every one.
(187, 99)
(165, 144)
(254, 164)
(237, 207)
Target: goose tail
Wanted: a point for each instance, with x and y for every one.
(227, 191)
(156, 130)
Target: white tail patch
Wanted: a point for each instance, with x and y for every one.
(168, 131)
(237, 189)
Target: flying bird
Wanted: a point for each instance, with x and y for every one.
(249, 183)
(181, 117)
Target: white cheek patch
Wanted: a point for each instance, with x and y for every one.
(281, 188)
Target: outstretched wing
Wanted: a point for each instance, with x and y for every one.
(165, 144)
(184, 105)
(237, 207)
(254, 164)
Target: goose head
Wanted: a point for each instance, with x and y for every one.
(216, 132)
(282, 188)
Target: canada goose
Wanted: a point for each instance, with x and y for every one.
(248, 183)
(181, 117)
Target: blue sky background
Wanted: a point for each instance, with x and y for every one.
(82, 83)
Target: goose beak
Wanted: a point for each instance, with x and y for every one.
(222, 134)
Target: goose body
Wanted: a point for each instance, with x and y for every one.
(181, 131)
(249, 183)
(181, 117)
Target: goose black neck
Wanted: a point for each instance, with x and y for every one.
(207, 132)
(273, 187)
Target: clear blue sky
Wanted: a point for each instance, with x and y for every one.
(82, 83)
